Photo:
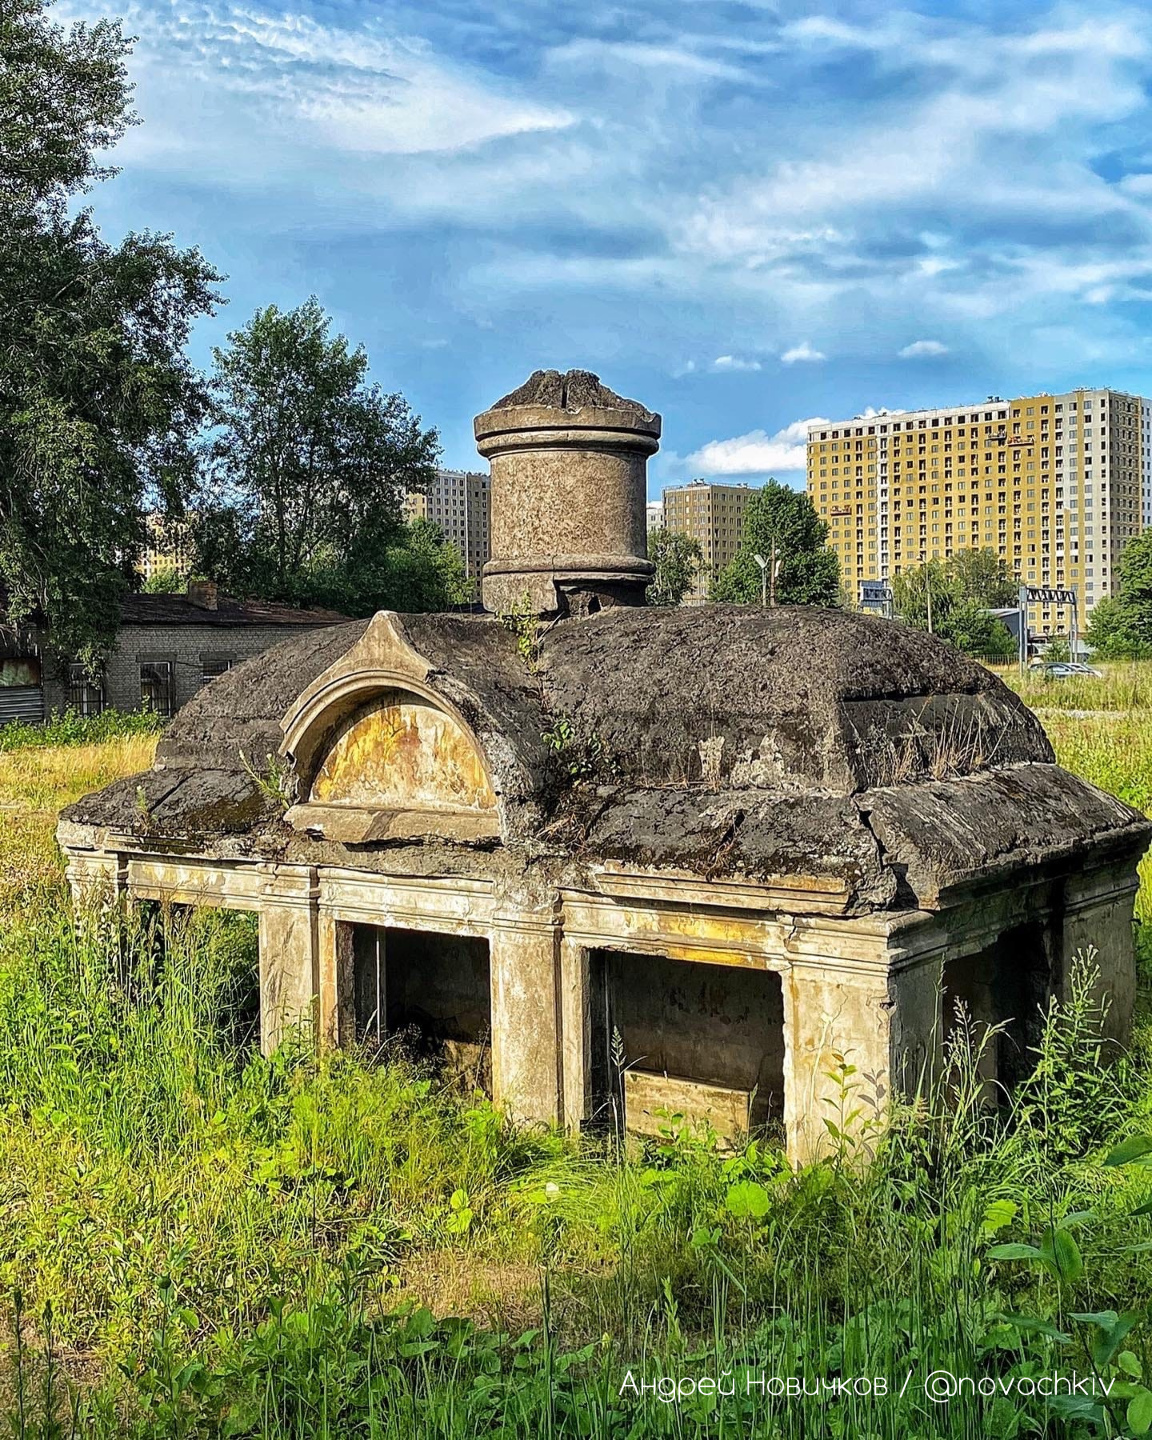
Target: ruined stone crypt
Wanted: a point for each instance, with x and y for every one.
(612, 859)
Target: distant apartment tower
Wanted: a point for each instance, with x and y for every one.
(460, 503)
(711, 514)
(655, 513)
(168, 547)
(1056, 484)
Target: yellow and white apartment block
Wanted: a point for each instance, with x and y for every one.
(1055, 484)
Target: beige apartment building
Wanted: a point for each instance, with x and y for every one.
(1055, 484)
(711, 514)
(168, 546)
(460, 502)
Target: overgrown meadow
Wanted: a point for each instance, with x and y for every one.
(196, 1241)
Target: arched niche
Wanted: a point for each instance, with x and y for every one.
(385, 761)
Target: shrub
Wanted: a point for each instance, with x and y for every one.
(68, 727)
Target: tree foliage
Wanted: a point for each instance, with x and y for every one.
(1120, 627)
(982, 576)
(306, 472)
(809, 572)
(165, 580)
(98, 403)
(960, 592)
(678, 560)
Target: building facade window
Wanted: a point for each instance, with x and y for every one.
(214, 665)
(85, 690)
(157, 688)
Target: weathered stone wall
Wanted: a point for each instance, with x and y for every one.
(719, 1024)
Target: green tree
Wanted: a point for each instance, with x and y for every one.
(1120, 626)
(1114, 632)
(923, 590)
(982, 576)
(424, 571)
(678, 560)
(809, 572)
(972, 628)
(307, 468)
(959, 617)
(165, 580)
(99, 405)
(1136, 582)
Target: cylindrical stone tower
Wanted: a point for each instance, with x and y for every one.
(569, 485)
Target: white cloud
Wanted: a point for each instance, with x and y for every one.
(353, 89)
(921, 349)
(756, 453)
(943, 171)
(1002, 157)
(802, 352)
(663, 58)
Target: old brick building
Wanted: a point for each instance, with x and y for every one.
(167, 648)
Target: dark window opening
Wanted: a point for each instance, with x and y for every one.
(213, 666)
(1008, 983)
(705, 1041)
(429, 992)
(156, 686)
(85, 690)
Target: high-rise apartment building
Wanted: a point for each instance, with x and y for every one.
(168, 546)
(1055, 484)
(711, 514)
(460, 502)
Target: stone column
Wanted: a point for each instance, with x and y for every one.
(1098, 917)
(336, 1004)
(576, 1035)
(569, 463)
(524, 960)
(289, 951)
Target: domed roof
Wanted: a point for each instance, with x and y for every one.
(868, 759)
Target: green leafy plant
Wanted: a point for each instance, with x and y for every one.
(579, 757)
(523, 622)
(68, 727)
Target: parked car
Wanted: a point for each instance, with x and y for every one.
(1062, 669)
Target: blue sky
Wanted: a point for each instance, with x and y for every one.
(744, 213)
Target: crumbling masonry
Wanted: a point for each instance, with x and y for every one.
(617, 860)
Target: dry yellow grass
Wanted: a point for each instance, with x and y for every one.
(46, 779)
(34, 784)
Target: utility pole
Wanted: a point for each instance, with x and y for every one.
(772, 597)
(928, 593)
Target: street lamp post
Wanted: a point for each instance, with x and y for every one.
(768, 572)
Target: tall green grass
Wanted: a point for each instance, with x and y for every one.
(200, 1241)
(1120, 687)
(196, 1240)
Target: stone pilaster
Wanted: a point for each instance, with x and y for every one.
(525, 963)
(833, 1014)
(289, 952)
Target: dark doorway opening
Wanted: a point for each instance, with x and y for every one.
(1008, 983)
(705, 1041)
(429, 992)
